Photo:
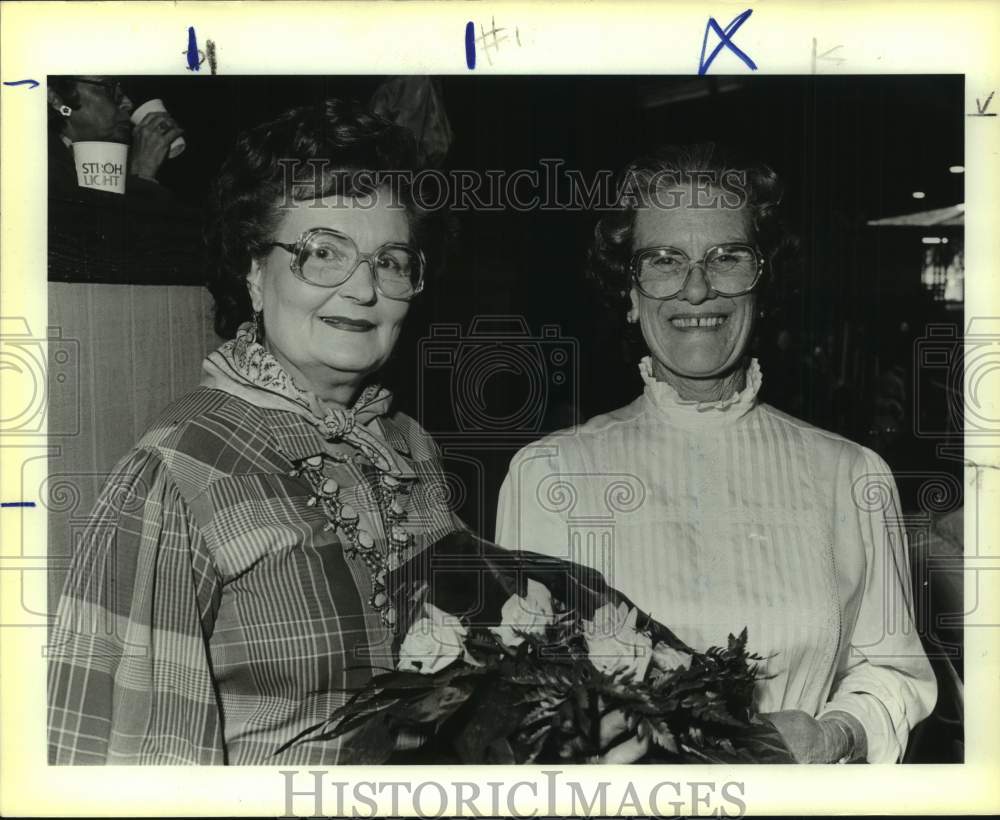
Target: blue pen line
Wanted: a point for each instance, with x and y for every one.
(17, 504)
(192, 50)
(470, 45)
(32, 83)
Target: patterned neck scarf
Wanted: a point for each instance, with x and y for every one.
(244, 368)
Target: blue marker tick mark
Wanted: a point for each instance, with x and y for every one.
(470, 45)
(194, 63)
(32, 83)
(17, 504)
(725, 39)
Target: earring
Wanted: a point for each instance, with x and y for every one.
(65, 110)
(257, 326)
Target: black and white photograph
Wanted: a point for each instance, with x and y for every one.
(659, 328)
(489, 418)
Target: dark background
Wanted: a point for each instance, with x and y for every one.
(850, 149)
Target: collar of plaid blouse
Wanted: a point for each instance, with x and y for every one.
(244, 368)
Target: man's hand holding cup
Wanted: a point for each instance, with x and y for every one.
(155, 137)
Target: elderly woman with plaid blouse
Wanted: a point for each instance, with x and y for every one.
(230, 584)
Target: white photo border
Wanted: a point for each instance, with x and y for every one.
(255, 38)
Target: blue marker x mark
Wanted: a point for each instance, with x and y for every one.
(725, 39)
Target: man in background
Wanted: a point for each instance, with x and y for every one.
(146, 236)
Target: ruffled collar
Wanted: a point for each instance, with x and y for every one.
(245, 368)
(701, 414)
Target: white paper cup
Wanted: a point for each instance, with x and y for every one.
(151, 107)
(102, 166)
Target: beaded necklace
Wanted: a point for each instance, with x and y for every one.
(361, 542)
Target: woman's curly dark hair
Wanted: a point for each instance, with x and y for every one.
(755, 184)
(335, 147)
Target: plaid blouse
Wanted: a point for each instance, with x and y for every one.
(209, 615)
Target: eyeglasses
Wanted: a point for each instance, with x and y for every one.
(731, 269)
(328, 258)
(113, 88)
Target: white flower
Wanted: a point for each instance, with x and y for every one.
(614, 644)
(666, 658)
(530, 614)
(432, 642)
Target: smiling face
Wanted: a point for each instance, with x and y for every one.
(330, 339)
(698, 335)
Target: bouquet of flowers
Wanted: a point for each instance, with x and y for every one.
(512, 657)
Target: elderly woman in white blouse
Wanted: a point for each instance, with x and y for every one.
(712, 510)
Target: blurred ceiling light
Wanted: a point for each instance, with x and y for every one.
(957, 169)
(918, 194)
(944, 217)
(931, 240)
(663, 91)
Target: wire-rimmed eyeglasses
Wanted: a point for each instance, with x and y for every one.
(731, 269)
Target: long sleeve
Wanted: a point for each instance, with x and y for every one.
(883, 677)
(130, 679)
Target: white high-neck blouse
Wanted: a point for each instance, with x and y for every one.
(713, 516)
